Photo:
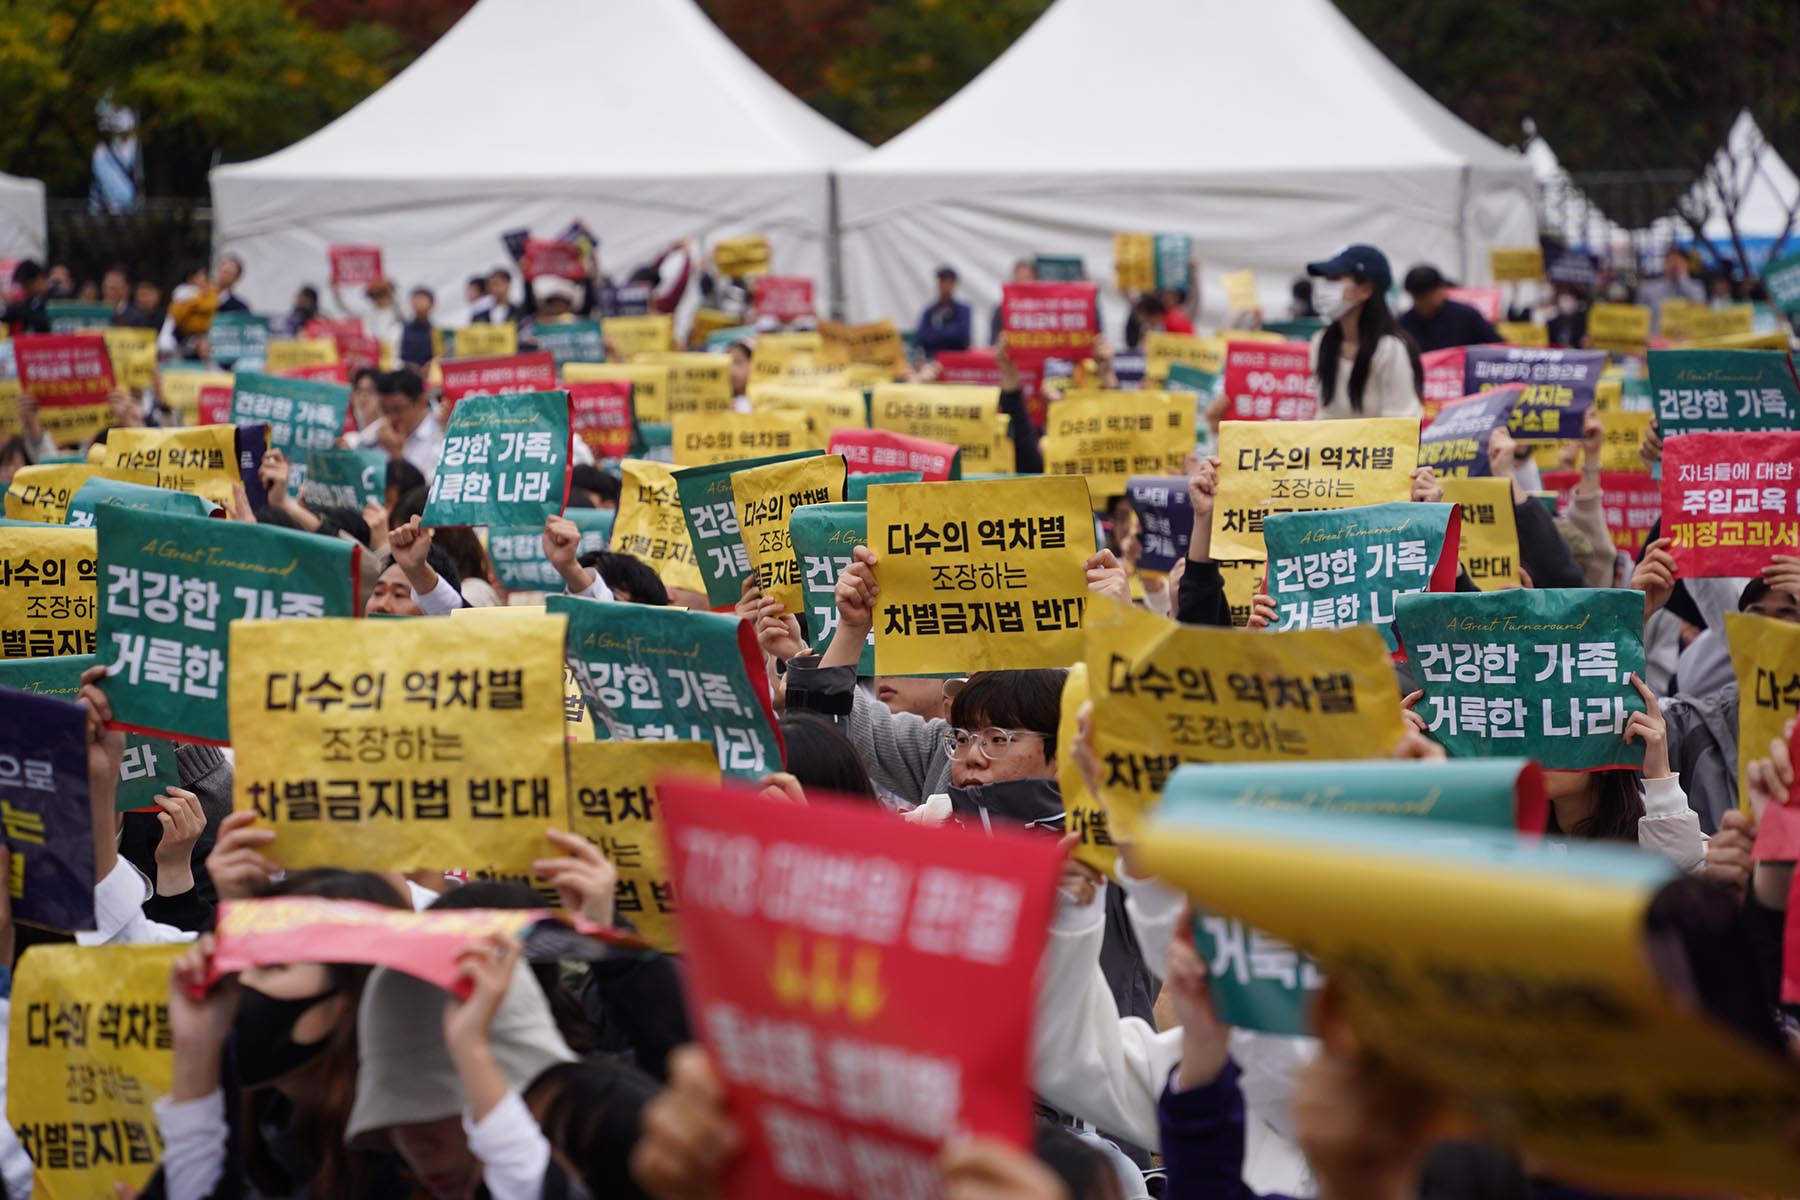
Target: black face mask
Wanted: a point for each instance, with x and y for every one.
(266, 1049)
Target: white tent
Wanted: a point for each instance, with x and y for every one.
(22, 227)
(1566, 211)
(1269, 130)
(1747, 175)
(638, 116)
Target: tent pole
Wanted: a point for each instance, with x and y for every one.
(834, 259)
(1462, 229)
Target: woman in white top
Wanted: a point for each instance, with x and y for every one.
(1365, 364)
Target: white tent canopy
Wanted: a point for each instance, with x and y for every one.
(22, 226)
(1567, 211)
(1269, 130)
(638, 116)
(1748, 176)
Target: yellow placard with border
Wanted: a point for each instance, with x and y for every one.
(1765, 655)
(1489, 550)
(487, 340)
(698, 383)
(870, 344)
(1523, 333)
(742, 257)
(1161, 349)
(628, 337)
(1240, 290)
(382, 745)
(1134, 262)
(766, 498)
(48, 596)
(1515, 264)
(1305, 466)
(703, 439)
(958, 413)
(89, 1051)
(1624, 432)
(825, 409)
(133, 354)
(202, 459)
(650, 524)
(1111, 436)
(284, 354)
(576, 725)
(1622, 328)
(180, 391)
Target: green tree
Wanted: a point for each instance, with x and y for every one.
(206, 78)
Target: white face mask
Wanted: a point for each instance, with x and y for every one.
(1329, 298)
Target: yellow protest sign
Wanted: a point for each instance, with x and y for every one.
(787, 345)
(703, 439)
(1303, 466)
(629, 337)
(650, 524)
(1623, 328)
(1523, 333)
(202, 459)
(649, 385)
(1700, 323)
(133, 354)
(979, 576)
(42, 491)
(1775, 339)
(47, 591)
(1134, 262)
(825, 409)
(89, 1052)
(180, 391)
(960, 414)
(1240, 290)
(1110, 436)
(1166, 694)
(698, 383)
(1512, 264)
(1514, 974)
(1624, 432)
(1162, 349)
(9, 406)
(1765, 655)
(1609, 394)
(742, 257)
(487, 340)
(1243, 580)
(872, 343)
(866, 375)
(613, 787)
(1489, 551)
(284, 354)
(1082, 811)
(766, 498)
(576, 726)
(383, 745)
(1676, 313)
(706, 322)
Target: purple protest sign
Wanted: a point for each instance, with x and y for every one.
(1457, 442)
(49, 824)
(1165, 516)
(1559, 386)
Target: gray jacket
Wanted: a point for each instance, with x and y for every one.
(903, 753)
(1703, 751)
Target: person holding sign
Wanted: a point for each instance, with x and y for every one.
(1365, 363)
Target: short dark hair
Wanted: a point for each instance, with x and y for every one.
(311, 293)
(1012, 700)
(437, 558)
(501, 273)
(366, 372)
(628, 573)
(233, 258)
(476, 281)
(401, 382)
(590, 478)
(1148, 305)
(28, 272)
(422, 290)
(820, 756)
(17, 447)
(410, 504)
(403, 477)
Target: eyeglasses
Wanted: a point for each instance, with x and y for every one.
(993, 742)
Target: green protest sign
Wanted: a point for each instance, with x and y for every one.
(99, 490)
(856, 487)
(1295, 331)
(349, 479)
(236, 336)
(1186, 377)
(712, 521)
(518, 554)
(1497, 793)
(148, 767)
(1540, 674)
(170, 586)
(1741, 391)
(1782, 278)
(667, 674)
(1059, 268)
(571, 341)
(824, 536)
(1173, 255)
(74, 316)
(303, 415)
(720, 340)
(505, 461)
(1345, 567)
(1258, 982)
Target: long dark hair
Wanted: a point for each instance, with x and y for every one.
(1374, 321)
(1618, 803)
(320, 1117)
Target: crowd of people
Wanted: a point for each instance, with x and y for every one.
(323, 1079)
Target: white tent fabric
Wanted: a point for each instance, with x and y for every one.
(1269, 130)
(1748, 176)
(22, 225)
(1566, 211)
(638, 116)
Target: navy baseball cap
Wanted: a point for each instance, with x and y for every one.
(1359, 259)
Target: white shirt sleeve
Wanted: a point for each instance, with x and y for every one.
(597, 590)
(1669, 827)
(1154, 909)
(194, 1133)
(513, 1151)
(440, 601)
(119, 912)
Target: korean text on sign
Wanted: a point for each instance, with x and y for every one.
(825, 539)
(1699, 391)
(381, 745)
(47, 592)
(767, 499)
(711, 511)
(46, 820)
(1765, 657)
(979, 576)
(1541, 674)
(505, 461)
(1489, 542)
(814, 941)
(1730, 501)
(650, 524)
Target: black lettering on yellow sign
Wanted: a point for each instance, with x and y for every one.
(821, 983)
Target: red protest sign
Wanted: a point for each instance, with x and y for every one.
(330, 327)
(1632, 502)
(357, 351)
(1729, 501)
(969, 366)
(819, 943)
(215, 406)
(600, 415)
(1444, 371)
(335, 372)
(1270, 381)
(545, 257)
(1047, 320)
(62, 370)
(1778, 829)
(356, 265)
(534, 372)
(871, 451)
(784, 297)
(1484, 300)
